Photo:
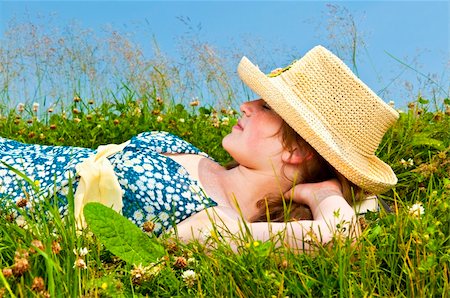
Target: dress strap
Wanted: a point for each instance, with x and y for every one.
(98, 182)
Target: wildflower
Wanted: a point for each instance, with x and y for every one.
(104, 286)
(138, 274)
(81, 252)
(159, 118)
(156, 112)
(189, 277)
(31, 134)
(16, 121)
(148, 226)
(21, 222)
(38, 284)
(225, 120)
(411, 105)
(50, 110)
(76, 120)
(284, 264)
(194, 103)
(76, 99)
(180, 262)
(56, 247)
(89, 117)
(30, 121)
(52, 126)
(41, 136)
(79, 263)
(21, 264)
(7, 272)
(116, 121)
(191, 262)
(416, 210)
(181, 120)
(35, 107)
(408, 163)
(155, 269)
(38, 244)
(76, 111)
(91, 102)
(21, 107)
(21, 202)
(159, 100)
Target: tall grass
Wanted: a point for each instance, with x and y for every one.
(405, 253)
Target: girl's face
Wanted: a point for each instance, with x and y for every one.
(255, 141)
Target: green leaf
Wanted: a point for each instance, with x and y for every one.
(120, 236)
(447, 101)
(425, 141)
(422, 100)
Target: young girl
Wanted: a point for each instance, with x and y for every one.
(311, 138)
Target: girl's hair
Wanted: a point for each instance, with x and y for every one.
(275, 207)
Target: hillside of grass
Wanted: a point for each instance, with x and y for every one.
(403, 253)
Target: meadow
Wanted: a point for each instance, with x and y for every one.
(403, 253)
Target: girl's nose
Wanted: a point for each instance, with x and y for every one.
(247, 108)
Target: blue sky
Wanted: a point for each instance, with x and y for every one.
(413, 31)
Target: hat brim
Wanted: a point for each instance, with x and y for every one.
(368, 172)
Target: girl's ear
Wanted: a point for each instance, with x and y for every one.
(296, 156)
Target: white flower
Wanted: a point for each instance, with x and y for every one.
(225, 120)
(189, 277)
(83, 251)
(416, 210)
(35, 107)
(20, 107)
(79, 263)
(181, 120)
(408, 163)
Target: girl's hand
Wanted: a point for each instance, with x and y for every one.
(313, 193)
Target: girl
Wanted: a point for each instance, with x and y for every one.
(311, 138)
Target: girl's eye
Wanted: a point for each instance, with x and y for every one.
(266, 106)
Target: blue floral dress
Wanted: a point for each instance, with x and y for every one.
(156, 188)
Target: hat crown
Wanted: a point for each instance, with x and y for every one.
(353, 113)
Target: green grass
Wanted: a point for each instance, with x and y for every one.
(399, 254)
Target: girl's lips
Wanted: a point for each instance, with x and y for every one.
(238, 125)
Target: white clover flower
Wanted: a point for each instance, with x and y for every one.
(416, 210)
(189, 277)
(79, 263)
(20, 107)
(407, 163)
(80, 252)
(225, 120)
(35, 107)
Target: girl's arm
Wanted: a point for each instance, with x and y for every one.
(333, 217)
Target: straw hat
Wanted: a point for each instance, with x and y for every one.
(333, 110)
